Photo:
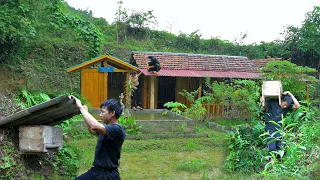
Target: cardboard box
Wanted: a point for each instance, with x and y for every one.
(272, 90)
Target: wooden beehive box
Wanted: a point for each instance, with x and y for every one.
(272, 90)
(39, 139)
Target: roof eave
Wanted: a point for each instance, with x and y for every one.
(115, 60)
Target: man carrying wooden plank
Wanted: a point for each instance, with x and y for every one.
(110, 139)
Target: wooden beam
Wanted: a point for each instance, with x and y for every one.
(152, 91)
(124, 65)
(115, 70)
(187, 81)
(156, 93)
(128, 97)
(145, 93)
(105, 59)
(121, 70)
(200, 88)
(89, 70)
(106, 86)
(77, 67)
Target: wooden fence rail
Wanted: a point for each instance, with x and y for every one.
(224, 111)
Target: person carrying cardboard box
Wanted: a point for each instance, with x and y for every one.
(275, 110)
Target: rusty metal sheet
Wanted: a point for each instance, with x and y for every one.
(51, 112)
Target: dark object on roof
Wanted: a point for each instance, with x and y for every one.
(50, 113)
(155, 63)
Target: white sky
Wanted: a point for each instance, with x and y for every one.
(262, 20)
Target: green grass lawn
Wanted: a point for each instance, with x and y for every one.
(178, 158)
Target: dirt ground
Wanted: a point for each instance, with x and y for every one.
(12, 164)
(8, 84)
(7, 105)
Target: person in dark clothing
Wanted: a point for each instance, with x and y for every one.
(275, 112)
(132, 61)
(136, 94)
(110, 139)
(154, 64)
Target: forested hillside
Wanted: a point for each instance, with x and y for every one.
(40, 39)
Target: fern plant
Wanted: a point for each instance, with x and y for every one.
(28, 99)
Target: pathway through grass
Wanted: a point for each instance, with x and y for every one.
(189, 158)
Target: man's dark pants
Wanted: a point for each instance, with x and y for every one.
(275, 145)
(95, 173)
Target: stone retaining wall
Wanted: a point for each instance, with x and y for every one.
(156, 126)
(218, 127)
(165, 136)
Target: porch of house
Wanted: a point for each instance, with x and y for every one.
(156, 91)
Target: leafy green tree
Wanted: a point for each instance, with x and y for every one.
(16, 27)
(121, 17)
(141, 22)
(303, 43)
(292, 76)
(85, 29)
(189, 42)
(310, 34)
(140, 19)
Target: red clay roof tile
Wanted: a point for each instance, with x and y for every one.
(201, 62)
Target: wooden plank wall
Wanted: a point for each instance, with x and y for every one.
(215, 110)
(156, 89)
(146, 92)
(191, 84)
(182, 83)
(187, 83)
(149, 92)
(94, 86)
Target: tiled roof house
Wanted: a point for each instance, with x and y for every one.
(199, 65)
(179, 71)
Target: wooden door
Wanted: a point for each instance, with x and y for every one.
(94, 86)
